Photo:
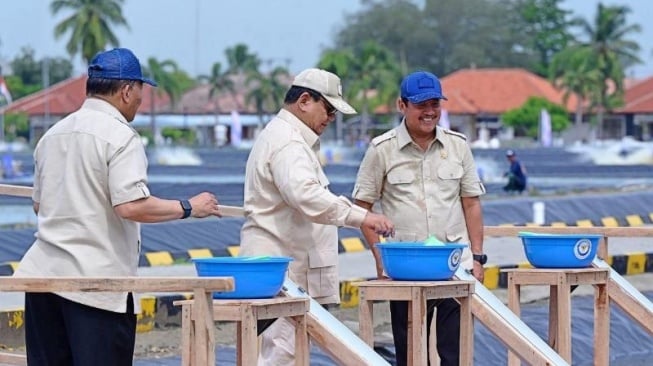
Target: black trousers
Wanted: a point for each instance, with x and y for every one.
(447, 328)
(60, 332)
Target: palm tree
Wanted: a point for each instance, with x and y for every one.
(220, 81)
(371, 75)
(240, 60)
(90, 25)
(610, 51)
(267, 92)
(572, 71)
(163, 72)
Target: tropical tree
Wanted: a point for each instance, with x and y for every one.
(547, 28)
(90, 25)
(611, 52)
(370, 74)
(267, 91)
(573, 71)
(27, 72)
(163, 72)
(220, 81)
(526, 119)
(240, 60)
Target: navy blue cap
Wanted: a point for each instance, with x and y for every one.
(118, 63)
(421, 86)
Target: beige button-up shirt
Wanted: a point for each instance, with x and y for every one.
(289, 209)
(85, 164)
(419, 190)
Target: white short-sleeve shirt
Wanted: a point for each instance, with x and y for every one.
(86, 164)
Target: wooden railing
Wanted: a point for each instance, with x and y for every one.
(201, 288)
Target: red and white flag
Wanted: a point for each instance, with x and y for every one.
(4, 92)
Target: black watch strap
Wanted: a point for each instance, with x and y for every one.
(480, 258)
(185, 204)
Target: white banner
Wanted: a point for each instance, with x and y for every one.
(545, 128)
(236, 133)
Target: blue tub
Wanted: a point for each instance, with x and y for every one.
(560, 250)
(415, 261)
(254, 277)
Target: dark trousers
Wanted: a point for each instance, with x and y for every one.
(447, 329)
(60, 332)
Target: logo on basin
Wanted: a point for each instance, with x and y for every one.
(582, 248)
(454, 259)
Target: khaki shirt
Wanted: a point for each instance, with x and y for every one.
(289, 209)
(85, 164)
(419, 190)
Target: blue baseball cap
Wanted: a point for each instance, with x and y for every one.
(421, 86)
(118, 63)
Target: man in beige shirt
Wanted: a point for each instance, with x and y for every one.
(426, 181)
(288, 207)
(90, 194)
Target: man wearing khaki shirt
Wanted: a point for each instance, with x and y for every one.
(288, 207)
(425, 179)
(90, 195)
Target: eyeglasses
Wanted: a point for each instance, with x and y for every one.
(330, 109)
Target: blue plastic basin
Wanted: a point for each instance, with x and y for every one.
(560, 250)
(415, 261)
(254, 277)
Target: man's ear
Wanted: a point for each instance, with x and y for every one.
(401, 106)
(303, 100)
(126, 92)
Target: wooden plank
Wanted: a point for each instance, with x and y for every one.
(25, 191)
(333, 337)
(511, 330)
(601, 326)
(16, 191)
(628, 298)
(114, 284)
(503, 231)
(12, 359)
(466, 331)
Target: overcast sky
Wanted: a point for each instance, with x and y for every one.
(195, 33)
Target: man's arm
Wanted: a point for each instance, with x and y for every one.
(474, 219)
(371, 237)
(153, 209)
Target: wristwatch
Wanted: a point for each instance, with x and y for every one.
(185, 204)
(480, 258)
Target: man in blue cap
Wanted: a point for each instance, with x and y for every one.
(425, 179)
(90, 195)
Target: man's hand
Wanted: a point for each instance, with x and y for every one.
(379, 223)
(478, 271)
(204, 204)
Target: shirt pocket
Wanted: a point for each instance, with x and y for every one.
(403, 183)
(449, 178)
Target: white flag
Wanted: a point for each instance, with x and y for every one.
(4, 91)
(444, 119)
(236, 133)
(545, 128)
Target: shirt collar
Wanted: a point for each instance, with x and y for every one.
(311, 138)
(102, 105)
(403, 138)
